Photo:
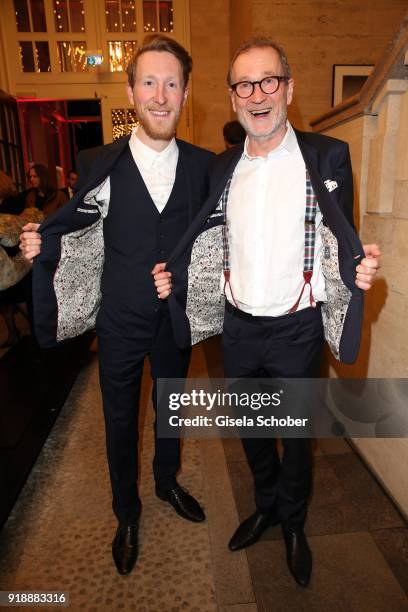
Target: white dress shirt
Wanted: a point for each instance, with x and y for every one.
(158, 170)
(265, 220)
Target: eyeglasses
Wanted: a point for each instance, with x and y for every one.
(270, 84)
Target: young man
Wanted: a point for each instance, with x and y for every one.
(69, 190)
(135, 198)
(292, 265)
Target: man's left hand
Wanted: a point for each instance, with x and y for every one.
(367, 268)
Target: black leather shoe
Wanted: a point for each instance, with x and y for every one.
(299, 556)
(251, 530)
(184, 504)
(125, 548)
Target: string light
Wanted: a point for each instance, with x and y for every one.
(120, 53)
(123, 121)
(62, 14)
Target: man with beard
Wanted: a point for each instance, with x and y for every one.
(291, 267)
(134, 200)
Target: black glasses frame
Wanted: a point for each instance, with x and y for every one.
(253, 83)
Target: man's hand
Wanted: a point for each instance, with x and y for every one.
(162, 280)
(30, 241)
(367, 268)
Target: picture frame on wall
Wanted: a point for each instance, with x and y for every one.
(348, 80)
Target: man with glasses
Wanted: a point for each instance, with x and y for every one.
(291, 262)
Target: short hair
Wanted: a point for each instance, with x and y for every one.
(260, 42)
(159, 42)
(72, 171)
(7, 187)
(233, 133)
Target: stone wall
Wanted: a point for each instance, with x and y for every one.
(379, 152)
(209, 26)
(315, 33)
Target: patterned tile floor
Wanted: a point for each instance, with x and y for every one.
(358, 538)
(59, 533)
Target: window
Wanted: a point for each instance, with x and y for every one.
(120, 19)
(72, 56)
(120, 53)
(69, 16)
(34, 56)
(120, 15)
(30, 15)
(123, 121)
(158, 15)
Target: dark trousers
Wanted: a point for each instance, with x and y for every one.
(124, 340)
(286, 347)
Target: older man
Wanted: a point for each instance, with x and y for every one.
(291, 265)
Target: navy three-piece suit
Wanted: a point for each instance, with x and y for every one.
(95, 269)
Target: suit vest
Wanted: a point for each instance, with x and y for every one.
(137, 236)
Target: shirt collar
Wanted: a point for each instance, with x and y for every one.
(289, 143)
(148, 156)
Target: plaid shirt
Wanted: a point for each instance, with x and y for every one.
(310, 239)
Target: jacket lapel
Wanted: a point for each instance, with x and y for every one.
(223, 173)
(331, 214)
(100, 170)
(187, 166)
(311, 158)
(103, 165)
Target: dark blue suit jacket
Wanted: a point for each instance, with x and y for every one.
(94, 166)
(326, 158)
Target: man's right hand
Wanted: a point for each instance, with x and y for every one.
(30, 241)
(162, 280)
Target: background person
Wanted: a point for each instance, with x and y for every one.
(71, 180)
(233, 133)
(11, 202)
(42, 194)
(15, 285)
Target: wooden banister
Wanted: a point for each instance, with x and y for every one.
(391, 65)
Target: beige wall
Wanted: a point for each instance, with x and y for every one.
(241, 17)
(315, 33)
(209, 30)
(379, 151)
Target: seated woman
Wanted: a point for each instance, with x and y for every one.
(42, 193)
(10, 201)
(15, 285)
